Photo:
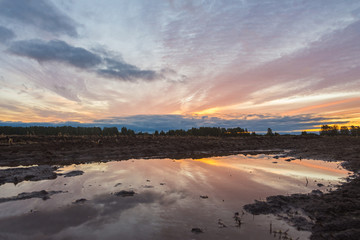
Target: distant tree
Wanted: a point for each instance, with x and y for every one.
(344, 131)
(124, 131)
(334, 130)
(325, 130)
(171, 133)
(156, 133)
(355, 131)
(269, 132)
(131, 132)
(111, 131)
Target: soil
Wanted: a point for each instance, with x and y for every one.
(36, 173)
(44, 195)
(334, 215)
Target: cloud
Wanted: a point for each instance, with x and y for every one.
(6, 34)
(60, 51)
(324, 66)
(149, 123)
(39, 13)
(80, 216)
(55, 50)
(253, 122)
(124, 71)
(236, 49)
(9, 106)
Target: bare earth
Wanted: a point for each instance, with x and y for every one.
(335, 215)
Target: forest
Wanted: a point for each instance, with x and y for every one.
(114, 131)
(326, 130)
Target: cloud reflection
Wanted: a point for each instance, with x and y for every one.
(93, 214)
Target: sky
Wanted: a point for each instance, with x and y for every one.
(166, 64)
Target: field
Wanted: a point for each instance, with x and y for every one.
(336, 214)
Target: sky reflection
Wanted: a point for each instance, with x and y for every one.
(167, 202)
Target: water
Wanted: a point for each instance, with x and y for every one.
(167, 202)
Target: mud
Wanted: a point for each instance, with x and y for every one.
(73, 173)
(81, 200)
(31, 150)
(334, 215)
(124, 193)
(197, 230)
(55, 150)
(44, 195)
(36, 173)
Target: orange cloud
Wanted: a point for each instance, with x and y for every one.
(305, 109)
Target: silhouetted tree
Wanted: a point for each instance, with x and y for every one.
(355, 131)
(344, 131)
(124, 131)
(111, 131)
(51, 131)
(334, 130)
(269, 132)
(325, 130)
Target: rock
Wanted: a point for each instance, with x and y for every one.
(221, 224)
(301, 223)
(27, 195)
(118, 184)
(316, 192)
(29, 177)
(320, 185)
(73, 173)
(37, 173)
(81, 200)
(259, 207)
(204, 196)
(124, 193)
(197, 230)
(349, 234)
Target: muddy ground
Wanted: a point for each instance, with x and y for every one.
(334, 215)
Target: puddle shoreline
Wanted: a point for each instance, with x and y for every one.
(229, 170)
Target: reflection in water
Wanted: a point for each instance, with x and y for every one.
(166, 203)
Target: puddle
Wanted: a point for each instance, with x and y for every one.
(162, 198)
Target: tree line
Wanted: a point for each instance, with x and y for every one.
(327, 130)
(114, 131)
(207, 131)
(60, 131)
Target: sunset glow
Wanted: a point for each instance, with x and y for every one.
(150, 65)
